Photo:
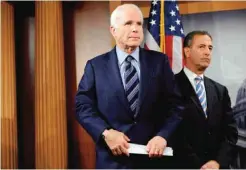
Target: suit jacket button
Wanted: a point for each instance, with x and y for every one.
(135, 122)
(209, 133)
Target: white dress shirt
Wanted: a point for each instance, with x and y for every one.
(121, 55)
(191, 76)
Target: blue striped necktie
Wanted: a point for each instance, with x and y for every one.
(200, 91)
(131, 84)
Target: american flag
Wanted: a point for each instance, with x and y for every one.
(169, 40)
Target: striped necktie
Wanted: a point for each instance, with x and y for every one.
(131, 84)
(200, 91)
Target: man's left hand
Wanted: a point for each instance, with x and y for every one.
(210, 165)
(156, 146)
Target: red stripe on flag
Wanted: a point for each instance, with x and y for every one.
(183, 57)
(169, 48)
(146, 47)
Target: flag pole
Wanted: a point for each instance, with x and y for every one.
(162, 28)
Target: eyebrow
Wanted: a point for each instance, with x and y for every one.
(130, 21)
(139, 22)
(205, 45)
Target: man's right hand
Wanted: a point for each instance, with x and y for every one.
(116, 141)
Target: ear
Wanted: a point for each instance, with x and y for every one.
(187, 52)
(112, 30)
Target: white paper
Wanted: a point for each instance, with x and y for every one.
(141, 149)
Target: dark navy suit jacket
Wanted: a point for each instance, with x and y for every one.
(101, 103)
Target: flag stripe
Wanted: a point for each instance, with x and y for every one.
(150, 42)
(169, 49)
(178, 53)
(172, 29)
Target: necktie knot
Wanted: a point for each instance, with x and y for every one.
(129, 58)
(198, 79)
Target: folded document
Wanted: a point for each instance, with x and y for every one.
(141, 149)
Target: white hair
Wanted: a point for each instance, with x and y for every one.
(117, 14)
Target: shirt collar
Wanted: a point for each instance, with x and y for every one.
(121, 55)
(191, 75)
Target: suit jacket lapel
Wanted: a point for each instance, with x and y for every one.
(209, 94)
(146, 70)
(189, 91)
(114, 78)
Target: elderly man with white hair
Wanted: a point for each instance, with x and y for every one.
(128, 95)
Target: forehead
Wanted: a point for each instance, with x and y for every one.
(130, 13)
(201, 39)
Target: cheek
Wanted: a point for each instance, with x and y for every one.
(121, 36)
(141, 33)
(195, 57)
(125, 34)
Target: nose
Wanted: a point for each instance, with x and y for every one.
(134, 28)
(207, 51)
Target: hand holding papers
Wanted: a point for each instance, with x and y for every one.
(141, 149)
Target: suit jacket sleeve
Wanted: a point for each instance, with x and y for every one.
(86, 105)
(172, 100)
(230, 133)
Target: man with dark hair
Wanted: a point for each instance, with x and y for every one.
(206, 134)
(189, 37)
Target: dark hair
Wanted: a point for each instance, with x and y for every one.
(189, 37)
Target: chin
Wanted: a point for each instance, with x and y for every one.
(203, 68)
(133, 44)
(204, 64)
(136, 44)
